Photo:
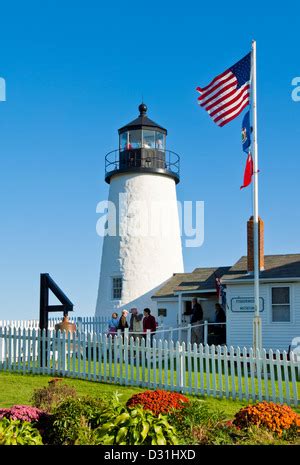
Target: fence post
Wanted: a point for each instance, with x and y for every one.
(119, 345)
(126, 341)
(205, 332)
(189, 332)
(148, 338)
(181, 355)
(79, 324)
(171, 338)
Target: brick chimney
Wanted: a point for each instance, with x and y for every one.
(250, 244)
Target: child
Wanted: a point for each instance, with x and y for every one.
(113, 324)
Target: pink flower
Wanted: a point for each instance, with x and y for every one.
(22, 412)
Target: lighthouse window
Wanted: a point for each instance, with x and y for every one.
(135, 139)
(148, 139)
(123, 140)
(160, 141)
(116, 287)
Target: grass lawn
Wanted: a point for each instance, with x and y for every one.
(16, 388)
(161, 376)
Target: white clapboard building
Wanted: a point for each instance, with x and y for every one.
(174, 298)
(279, 297)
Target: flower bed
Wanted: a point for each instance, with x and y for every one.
(22, 412)
(158, 401)
(274, 417)
(150, 418)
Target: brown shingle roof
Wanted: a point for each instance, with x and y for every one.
(199, 279)
(276, 267)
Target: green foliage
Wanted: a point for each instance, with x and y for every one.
(219, 434)
(70, 416)
(134, 426)
(89, 422)
(17, 432)
(47, 398)
(196, 421)
(86, 435)
(198, 411)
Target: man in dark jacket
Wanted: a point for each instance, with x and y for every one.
(197, 322)
(149, 323)
(220, 329)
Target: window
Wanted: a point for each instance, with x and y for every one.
(148, 139)
(130, 140)
(188, 308)
(116, 288)
(281, 308)
(161, 312)
(135, 138)
(123, 140)
(160, 141)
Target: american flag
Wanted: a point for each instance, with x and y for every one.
(228, 93)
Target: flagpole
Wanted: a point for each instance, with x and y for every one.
(257, 326)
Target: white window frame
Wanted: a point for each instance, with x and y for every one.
(272, 286)
(112, 287)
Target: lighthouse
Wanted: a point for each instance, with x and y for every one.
(143, 248)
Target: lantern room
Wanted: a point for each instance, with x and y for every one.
(142, 148)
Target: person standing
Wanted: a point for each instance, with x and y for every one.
(123, 321)
(197, 323)
(149, 323)
(221, 328)
(136, 325)
(113, 324)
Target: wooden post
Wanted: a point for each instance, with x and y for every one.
(205, 332)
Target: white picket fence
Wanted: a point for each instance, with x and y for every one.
(215, 371)
(100, 325)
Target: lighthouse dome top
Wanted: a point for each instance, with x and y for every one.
(142, 121)
(142, 149)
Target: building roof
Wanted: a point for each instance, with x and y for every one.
(276, 267)
(201, 279)
(142, 121)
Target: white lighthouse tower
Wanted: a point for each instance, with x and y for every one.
(144, 250)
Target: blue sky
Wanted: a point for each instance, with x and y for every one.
(75, 72)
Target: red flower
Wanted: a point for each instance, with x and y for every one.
(158, 401)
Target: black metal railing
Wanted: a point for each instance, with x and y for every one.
(154, 160)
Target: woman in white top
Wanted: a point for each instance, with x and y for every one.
(136, 326)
